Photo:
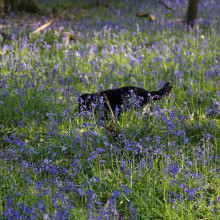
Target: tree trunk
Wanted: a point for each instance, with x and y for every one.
(191, 12)
(18, 5)
(2, 9)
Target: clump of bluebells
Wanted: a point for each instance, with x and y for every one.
(57, 163)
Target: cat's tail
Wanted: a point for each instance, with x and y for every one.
(156, 95)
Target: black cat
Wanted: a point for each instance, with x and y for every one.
(122, 98)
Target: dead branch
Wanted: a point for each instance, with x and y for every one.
(146, 15)
(3, 26)
(178, 20)
(26, 17)
(111, 126)
(69, 36)
(166, 6)
(109, 106)
(42, 27)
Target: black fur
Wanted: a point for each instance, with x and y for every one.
(119, 98)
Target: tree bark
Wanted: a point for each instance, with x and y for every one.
(191, 12)
(2, 9)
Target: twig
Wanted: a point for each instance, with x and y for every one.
(109, 106)
(111, 126)
(166, 6)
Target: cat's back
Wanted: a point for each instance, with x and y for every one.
(125, 90)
